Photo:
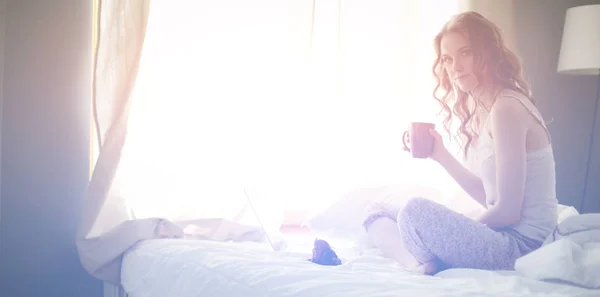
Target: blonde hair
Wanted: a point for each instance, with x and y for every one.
(493, 61)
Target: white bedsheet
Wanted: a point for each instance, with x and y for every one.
(186, 268)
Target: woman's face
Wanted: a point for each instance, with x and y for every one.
(457, 58)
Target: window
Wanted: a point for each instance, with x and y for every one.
(265, 95)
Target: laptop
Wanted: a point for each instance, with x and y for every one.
(273, 247)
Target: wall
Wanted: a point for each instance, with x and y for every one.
(45, 147)
(2, 30)
(500, 13)
(566, 100)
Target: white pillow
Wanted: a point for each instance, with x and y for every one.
(344, 218)
(582, 229)
(571, 254)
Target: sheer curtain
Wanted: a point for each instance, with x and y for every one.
(299, 105)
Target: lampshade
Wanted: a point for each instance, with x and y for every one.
(580, 48)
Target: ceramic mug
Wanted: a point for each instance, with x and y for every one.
(417, 140)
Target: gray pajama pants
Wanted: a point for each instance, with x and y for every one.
(433, 232)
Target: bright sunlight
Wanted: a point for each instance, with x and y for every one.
(241, 94)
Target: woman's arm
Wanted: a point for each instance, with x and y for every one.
(508, 121)
(468, 181)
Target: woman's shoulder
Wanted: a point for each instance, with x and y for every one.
(509, 104)
(512, 98)
(513, 103)
(520, 101)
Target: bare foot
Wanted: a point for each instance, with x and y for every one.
(167, 229)
(427, 268)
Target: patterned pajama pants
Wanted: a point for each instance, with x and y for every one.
(433, 232)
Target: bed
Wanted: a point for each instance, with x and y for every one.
(186, 267)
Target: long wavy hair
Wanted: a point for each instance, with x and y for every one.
(494, 65)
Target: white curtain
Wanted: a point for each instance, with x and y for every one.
(294, 102)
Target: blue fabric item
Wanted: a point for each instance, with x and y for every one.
(322, 254)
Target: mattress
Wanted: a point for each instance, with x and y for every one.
(185, 268)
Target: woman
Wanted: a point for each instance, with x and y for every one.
(504, 137)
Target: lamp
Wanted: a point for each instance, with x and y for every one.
(580, 55)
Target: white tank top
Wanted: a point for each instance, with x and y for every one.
(539, 212)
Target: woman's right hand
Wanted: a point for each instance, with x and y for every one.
(439, 152)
